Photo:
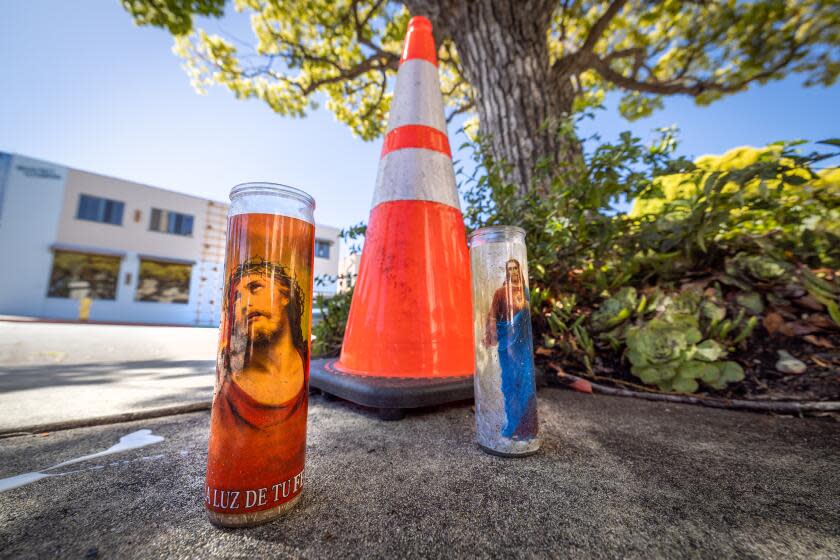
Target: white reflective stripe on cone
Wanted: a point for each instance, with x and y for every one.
(416, 174)
(417, 98)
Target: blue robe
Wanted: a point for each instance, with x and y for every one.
(516, 356)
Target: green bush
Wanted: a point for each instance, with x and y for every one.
(674, 289)
(329, 331)
(679, 282)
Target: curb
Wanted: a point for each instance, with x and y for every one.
(105, 420)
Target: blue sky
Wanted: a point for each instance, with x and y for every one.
(82, 86)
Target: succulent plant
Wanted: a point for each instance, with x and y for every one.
(727, 372)
(761, 268)
(669, 352)
(614, 310)
(713, 312)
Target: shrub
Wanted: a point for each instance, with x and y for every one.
(674, 288)
(329, 331)
(680, 281)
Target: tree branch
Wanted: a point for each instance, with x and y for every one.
(380, 60)
(383, 86)
(601, 25)
(783, 407)
(694, 88)
(365, 66)
(360, 24)
(465, 108)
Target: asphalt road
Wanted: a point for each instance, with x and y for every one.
(52, 372)
(615, 478)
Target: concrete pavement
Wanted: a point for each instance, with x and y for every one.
(53, 372)
(615, 478)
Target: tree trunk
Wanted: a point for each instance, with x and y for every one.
(504, 52)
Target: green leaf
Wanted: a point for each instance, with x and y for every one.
(709, 184)
(751, 301)
(714, 313)
(698, 370)
(693, 335)
(819, 284)
(708, 351)
(712, 374)
(731, 372)
(752, 322)
(640, 308)
(682, 385)
(636, 358)
(834, 312)
(701, 242)
(648, 375)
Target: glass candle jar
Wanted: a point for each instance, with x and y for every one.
(258, 421)
(505, 385)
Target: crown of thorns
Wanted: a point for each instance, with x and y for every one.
(259, 265)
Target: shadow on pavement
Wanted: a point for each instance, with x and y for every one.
(21, 378)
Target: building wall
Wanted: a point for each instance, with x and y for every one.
(327, 267)
(134, 234)
(135, 239)
(32, 195)
(38, 214)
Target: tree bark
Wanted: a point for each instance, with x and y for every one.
(504, 53)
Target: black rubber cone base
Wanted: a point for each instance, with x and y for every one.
(389, 395)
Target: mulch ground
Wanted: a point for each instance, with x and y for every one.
(762, 382)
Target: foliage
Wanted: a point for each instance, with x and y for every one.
(681, 344)
(351, 237)
(174, 15)
(348, 50)
(329, 331)
(740, 200)
(684, 278)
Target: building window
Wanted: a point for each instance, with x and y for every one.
(163, 282)
(171, 222)
(77, 275)
(96, 209)
(322, 249)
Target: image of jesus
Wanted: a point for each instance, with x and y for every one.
(259, 410)
(508, 325)
(508, 300)
(267, 350)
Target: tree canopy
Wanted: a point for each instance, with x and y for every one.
(515, 63)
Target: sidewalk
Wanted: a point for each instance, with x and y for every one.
(53, 373)
(615, 478)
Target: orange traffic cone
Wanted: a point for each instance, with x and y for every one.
(409, 337)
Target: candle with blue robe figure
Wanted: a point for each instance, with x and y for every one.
(505, 388)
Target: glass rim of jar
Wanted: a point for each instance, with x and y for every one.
(497, 233)
(270, 189)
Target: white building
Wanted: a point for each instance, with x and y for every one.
(144, 254)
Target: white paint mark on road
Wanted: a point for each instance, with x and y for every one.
(20, 480)
(134, 440)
